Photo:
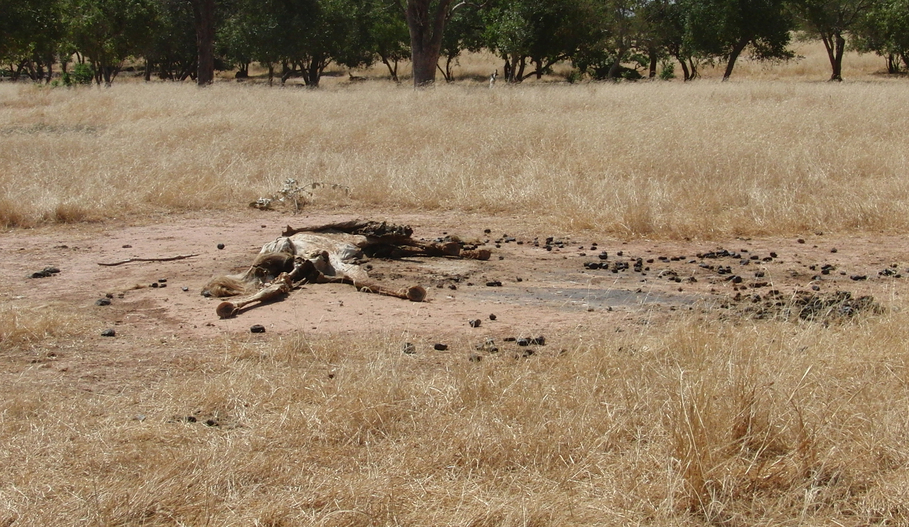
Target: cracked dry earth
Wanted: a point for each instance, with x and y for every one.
(535, 284)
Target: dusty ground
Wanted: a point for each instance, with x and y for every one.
(544, 291)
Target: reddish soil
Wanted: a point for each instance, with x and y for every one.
(542, 292)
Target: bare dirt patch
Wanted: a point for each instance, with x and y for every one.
(535, 283)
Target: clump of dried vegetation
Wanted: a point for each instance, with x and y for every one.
(689, 422)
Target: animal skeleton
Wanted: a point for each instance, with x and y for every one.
(328, 254)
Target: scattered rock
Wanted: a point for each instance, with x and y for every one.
(109, 333)
(257, 328)
(439, 346)
(102, 302)
(44, 273)
(492, 316)
(811, 306)
(474, 323)
(220, 246)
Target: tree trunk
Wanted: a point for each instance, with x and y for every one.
(654, 60)
(425, 26)
(733, 56)
(693, 66)
(314, 73)
(835, 44)
(204, 15)
(616, 64)
(837, 74)
(392, 70)
(686, 76)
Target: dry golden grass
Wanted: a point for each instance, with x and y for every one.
(690, 422)
(688, 425)
(658, 159)
(23, 327)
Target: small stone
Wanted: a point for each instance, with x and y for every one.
(257, 328)
(833, 250)
(439, 346)
(127, 246)
(109, 333)
(184, 289)
(220, 246)
(493, 283)
(801, 240)
(492, 316)
(474, 323)
(102, 302)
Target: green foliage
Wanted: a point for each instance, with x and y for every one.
(108, 32)
(724, 28)
(170, 49)
(30, 35)
(884, 29)
(541, 33)
(831, 20)
(82, 73)
(667, 71)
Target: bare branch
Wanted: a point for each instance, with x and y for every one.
(165, 259)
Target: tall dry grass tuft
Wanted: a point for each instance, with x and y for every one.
(668, 159)
(21, 328)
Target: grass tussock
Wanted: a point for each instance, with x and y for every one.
(691, 424)
(755, 156)
(22, 328)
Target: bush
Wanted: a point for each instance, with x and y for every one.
(82, 74)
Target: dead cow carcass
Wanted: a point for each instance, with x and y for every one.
(328, 254)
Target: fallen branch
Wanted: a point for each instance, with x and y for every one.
(165, 259)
